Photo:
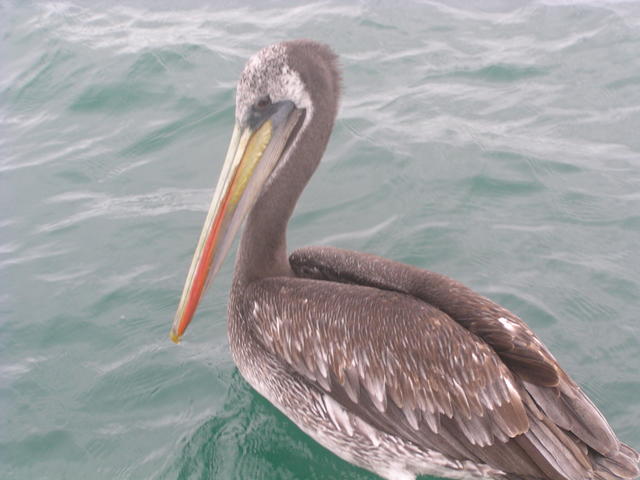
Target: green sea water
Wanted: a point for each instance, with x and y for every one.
(497, 143)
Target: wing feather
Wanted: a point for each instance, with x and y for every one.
(352, 342)
(507, 335)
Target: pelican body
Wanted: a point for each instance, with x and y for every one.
(396, 369)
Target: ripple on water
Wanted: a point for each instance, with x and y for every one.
(100, 205)
(495, 143)
(248, 437)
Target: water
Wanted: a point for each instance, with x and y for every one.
(499, 146)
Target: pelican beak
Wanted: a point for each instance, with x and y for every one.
(253, 153)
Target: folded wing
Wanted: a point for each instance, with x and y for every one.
(435, 377)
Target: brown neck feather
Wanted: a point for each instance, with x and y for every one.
(263, 247)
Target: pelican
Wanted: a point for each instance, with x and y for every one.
(398, 370)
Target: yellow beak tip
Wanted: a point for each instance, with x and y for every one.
(175, 338)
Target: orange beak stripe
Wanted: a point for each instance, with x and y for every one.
(202, 270)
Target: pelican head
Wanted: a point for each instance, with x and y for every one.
(284, 89)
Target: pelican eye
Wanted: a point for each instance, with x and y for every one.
(260, 111)
(263, 102)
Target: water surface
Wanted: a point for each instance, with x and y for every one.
(497, 145)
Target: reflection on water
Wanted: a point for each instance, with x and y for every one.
(249, 438)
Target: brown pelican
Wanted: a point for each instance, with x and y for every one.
(399, 370)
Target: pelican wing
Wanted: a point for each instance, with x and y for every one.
(388, 354)
(407, 369)
(559, 398)
(504, 332)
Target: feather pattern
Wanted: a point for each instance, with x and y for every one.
(432, 361)
(439, 370)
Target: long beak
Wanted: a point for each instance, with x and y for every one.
(251, 158)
